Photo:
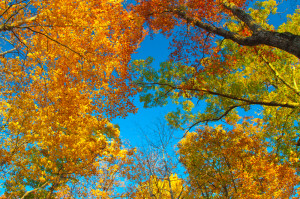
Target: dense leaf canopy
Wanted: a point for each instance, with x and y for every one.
(66, 72)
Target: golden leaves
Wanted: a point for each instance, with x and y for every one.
(170, 187)
(70, 77)
(236, 163)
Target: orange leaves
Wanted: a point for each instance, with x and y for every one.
(69, 79)
(178, 19)
(236, 163)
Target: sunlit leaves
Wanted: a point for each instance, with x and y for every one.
(69, 79)
(236, 163)
(170, 187)
(214, 79)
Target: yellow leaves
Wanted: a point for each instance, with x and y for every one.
(188, 105)
(294, 157)
(31, 55)
(270, 5)
(42, 179)
(100, 194)
(73, 75)
(169, 187)
(189, 136)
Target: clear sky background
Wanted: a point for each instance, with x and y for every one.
(145, 118)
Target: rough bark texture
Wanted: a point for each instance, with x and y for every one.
(284, 41)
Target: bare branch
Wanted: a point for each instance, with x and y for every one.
(8, 51)
(213, 119)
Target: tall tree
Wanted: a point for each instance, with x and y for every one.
(64, 76)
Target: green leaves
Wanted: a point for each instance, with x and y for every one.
(249, 159)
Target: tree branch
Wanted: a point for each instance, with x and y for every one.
(277, 74)
(17, 24)
(213, 119)
(229, 96)
(8, 51)
(284, 41)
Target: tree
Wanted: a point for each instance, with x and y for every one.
(237, 163)
(64, 76)
(220, 66)
(234, 76)
(154, 170)
(197, 19)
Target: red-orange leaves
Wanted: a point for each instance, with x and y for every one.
(180, 20)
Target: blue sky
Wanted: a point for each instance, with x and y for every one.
(130, 126)
(157, 47)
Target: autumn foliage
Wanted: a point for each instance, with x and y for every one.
(68, 78)
(66, 72)
(154, 187)
(225, 61)
(237, 163)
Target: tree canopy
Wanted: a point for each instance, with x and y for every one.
(64, 75)
(224, 61)
(66, 72)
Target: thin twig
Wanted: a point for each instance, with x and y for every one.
(213, 119)
(56, 41)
